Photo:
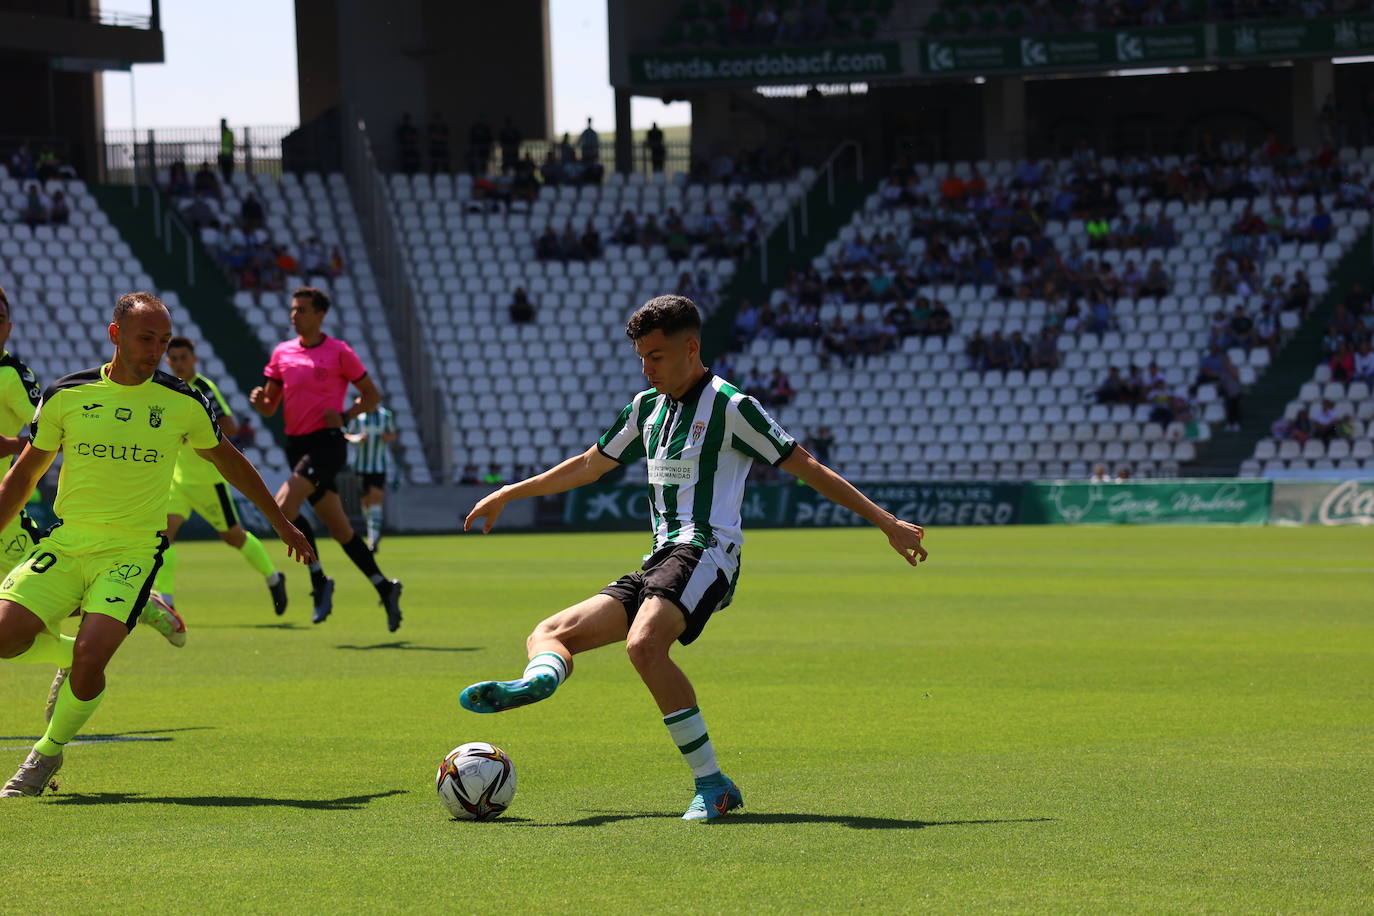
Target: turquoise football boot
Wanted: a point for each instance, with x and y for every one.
(715, 796)
(497, 696)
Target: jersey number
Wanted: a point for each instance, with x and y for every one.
(43, 562)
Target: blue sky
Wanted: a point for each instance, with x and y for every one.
(208, 73)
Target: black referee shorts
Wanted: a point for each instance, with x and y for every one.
(318, 457)
(700, 582)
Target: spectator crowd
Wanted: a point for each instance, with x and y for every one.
(991, 233)
(42, 202)
(1346, 346)
(1048, 16)
(241, 242)
(773, 22)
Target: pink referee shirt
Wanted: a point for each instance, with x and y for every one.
(314, 380)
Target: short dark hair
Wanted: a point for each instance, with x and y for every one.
(181, 342)
(130, 301)
(5, 301)
(669, 314)
(319, 299)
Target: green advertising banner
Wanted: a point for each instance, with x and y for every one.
(625, 506)
(1147, 502)
(834, 64)
(1332, 35)
(1064, 51)
(922, 503)
(1322, 502)
(787, 505)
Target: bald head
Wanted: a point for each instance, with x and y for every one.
(133, 302)
(140, 330)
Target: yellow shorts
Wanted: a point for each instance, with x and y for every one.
(98, 569)
(18, 540)
(211, 501)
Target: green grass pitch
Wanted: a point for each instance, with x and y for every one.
(1040, 719)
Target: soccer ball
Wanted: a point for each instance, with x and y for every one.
(476, 781)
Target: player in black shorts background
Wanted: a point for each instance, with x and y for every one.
(308, 378)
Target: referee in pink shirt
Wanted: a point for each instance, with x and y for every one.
(308, 378)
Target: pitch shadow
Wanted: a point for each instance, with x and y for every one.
(284, 625)
(405, 646)
(853, 821)
(155, 733)
(502, 819)
(347, 803)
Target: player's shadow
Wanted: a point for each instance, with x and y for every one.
(346, 803)
(853, 821)
(283, 625)
(145, 734)
(405, 646)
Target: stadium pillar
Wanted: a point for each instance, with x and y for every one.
(1004, 117)
(1312, 85)
(624, 133)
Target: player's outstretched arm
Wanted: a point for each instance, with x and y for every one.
(904, 537)
(20, 480)
(266, 398)
(569, 475)
(242, 476)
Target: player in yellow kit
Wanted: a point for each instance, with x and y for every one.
(198, 486)
(19, 397)
(19, 394)
(120, 427)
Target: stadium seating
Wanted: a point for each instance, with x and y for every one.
(714, 22)
(976, 17)
(1277, 457)
(573, 361)
(62, 283)
(319, 205)
(922, 414)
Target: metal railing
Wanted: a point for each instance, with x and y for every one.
(167, 221)
(88, 12)
(800, 212)
(123, 152)
(677, 157)
(122, 19)
(1063, 140)
(372, 201)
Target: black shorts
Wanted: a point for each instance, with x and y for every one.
(318, 457)
(371, 480)
(700, 582)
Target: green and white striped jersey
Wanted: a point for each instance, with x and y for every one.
(699, 450)
(371, 455)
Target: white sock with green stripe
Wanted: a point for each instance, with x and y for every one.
(547, 663)
(688, 731)
(373, 516)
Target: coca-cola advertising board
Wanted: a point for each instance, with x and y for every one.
(1330, 502)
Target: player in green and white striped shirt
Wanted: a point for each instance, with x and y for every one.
(371, 433)
(699, 435)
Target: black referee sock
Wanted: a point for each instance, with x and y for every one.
(362, 558)
(317, 577)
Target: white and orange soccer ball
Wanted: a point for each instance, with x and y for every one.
(476, 781)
